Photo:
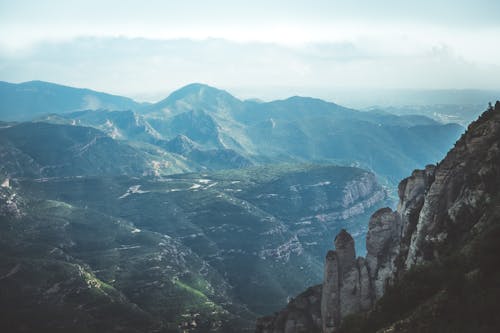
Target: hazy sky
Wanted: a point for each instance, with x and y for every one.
(267, 49)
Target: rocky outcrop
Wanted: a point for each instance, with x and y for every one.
(466, 182)
(346, 285)
(351, 284)
(11, 205)
(381, 245)
(441, 210)
(181, 145)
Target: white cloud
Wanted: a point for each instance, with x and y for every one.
(139, 48)
(152, 68)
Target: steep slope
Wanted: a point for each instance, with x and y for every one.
(203, 113)
(181, 145)
(49, 150)
(195, 96)
(449, 239)
(432, 265)
(122, 125)
(386, 149)
(228, 130)
(65, 268)
(302, 129)
(264, 250)
(28, 100)
(207, 153)
(198, 125)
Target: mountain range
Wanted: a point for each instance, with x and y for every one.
(222, 131)
(27, 100)
(199, 213)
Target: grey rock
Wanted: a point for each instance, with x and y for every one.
(365, 285)
(382, 245)
(344, 247)
(440, 212)
(330, 305)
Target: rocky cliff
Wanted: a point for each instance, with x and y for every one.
(433, 253)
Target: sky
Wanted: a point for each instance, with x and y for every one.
(262, 49)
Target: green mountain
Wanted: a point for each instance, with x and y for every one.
(302, 129)
(232, 133)
(199, 213)
(217, 249)
(27, 100)
(195, 96)
(120, 125)
(68, 268)
(50, 150)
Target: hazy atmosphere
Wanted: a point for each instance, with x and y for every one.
(262, 49)
(249, 166)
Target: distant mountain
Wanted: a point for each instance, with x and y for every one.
(207, 153)
(195, 96)
(121, 125)
(211, 159)
(303, 129)
(181, 145)
(197, 125)
(461, 114)
(229, 132)
(196, 213)
(209, 114)
(25, 101)
(51, 150)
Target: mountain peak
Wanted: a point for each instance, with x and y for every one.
(198, 91)
(197, 96)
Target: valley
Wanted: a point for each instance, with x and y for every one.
(243, 241)
(199, 212)
(249, 166)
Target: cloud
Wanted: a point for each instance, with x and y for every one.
(149, 69)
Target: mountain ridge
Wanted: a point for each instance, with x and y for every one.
(293, 130)
(27, 100)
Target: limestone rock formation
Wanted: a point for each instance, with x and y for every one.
(345, 285)
(443, 210)
(466, 181)
(382, 242)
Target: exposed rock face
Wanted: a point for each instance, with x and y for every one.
(441, 209)
(352, 285)
(10, 203)
(181, 145)
(381, 245)
(330, 305)
(466, 181)
(345, 284)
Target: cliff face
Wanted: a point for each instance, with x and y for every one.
(444, 212)
(346, 285)
(466, 182)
